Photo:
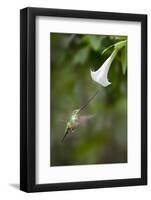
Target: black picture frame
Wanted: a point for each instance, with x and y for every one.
(28, 98)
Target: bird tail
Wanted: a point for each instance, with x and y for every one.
(66, 132)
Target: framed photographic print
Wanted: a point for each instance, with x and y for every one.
(83, 99)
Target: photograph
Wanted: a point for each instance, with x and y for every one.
(88, 99)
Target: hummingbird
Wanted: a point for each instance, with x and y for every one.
(76, 119)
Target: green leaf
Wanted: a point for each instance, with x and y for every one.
(124, 59)
(81, 56)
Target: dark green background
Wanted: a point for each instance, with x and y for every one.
(104, 138)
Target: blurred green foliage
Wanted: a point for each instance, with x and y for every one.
(104, 138)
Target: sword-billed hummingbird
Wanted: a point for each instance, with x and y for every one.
(75, 119)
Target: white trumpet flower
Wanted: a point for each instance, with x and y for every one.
(101, 75)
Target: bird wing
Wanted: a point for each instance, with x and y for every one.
(83, 120)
